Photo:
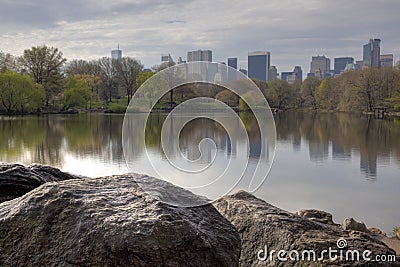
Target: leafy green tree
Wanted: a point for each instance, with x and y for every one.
(308, 91)
(142, 77)
(228, 97)
(45, 65)
(77, 93)
(280, 94)
(18, 93)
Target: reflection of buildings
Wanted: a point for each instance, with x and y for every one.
(368, 165)
(319, 151)
(339, 152)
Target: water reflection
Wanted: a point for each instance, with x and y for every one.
(338, 137)
(342, 134)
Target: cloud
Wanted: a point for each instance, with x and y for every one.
(292, 30)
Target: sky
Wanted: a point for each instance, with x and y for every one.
(292, 30)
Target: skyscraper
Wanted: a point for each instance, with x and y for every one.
(272, 73)
(340, 64)
(232, 62)
(116, 54)
(320, 66)
(298, 73)
(371, 53)
(166, 58)
(258, 65)
(387, 60)
(199, 55)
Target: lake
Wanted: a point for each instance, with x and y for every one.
(346, 164)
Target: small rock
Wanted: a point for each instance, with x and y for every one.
(376, 231)
(17, 180)
(351, 224)
(316, 215)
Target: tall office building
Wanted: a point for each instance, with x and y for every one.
(320, 66)
(340, 64)
(258, 65)
(285, 75)
(272, 73)
(199, 55)
(387, 60)
(371, 53)
(166, 58)
(232, 62)
(292, 76)
(298, 73)
(116, 54)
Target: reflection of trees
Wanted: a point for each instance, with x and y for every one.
(45, 139)
(374, 139)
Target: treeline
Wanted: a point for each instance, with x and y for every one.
(42, 80)
(356, 90)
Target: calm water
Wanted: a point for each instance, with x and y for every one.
(348, 165)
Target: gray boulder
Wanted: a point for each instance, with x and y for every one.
(351, 224)
(110, 221)
(262, 225)
(16, 180)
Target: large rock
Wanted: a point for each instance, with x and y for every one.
(262, 225)
(16, 180)
(110, 221)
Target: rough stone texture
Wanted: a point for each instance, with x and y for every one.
(376, 231)
(398, 234)
(351, 224)
(110, 221)
(16, 180)
(261, 224)
(316, 215)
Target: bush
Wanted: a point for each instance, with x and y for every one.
(117, 108)
(397, 107)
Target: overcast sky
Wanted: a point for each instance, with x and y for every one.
(292, 30)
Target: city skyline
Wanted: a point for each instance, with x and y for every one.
(292, 30)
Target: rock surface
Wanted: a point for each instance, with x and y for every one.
(351, 224)
(261, 224)
(16, 180)
(316, 215)
(110, 221)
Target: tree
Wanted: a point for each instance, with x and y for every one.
(18, 94)
(108, 71)
(280, 94)
(77, 93)
(308, 91)
(45, 66)
(142, 77)
(228, 97)
(325, 95)
(8, 62)
(128, 70)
